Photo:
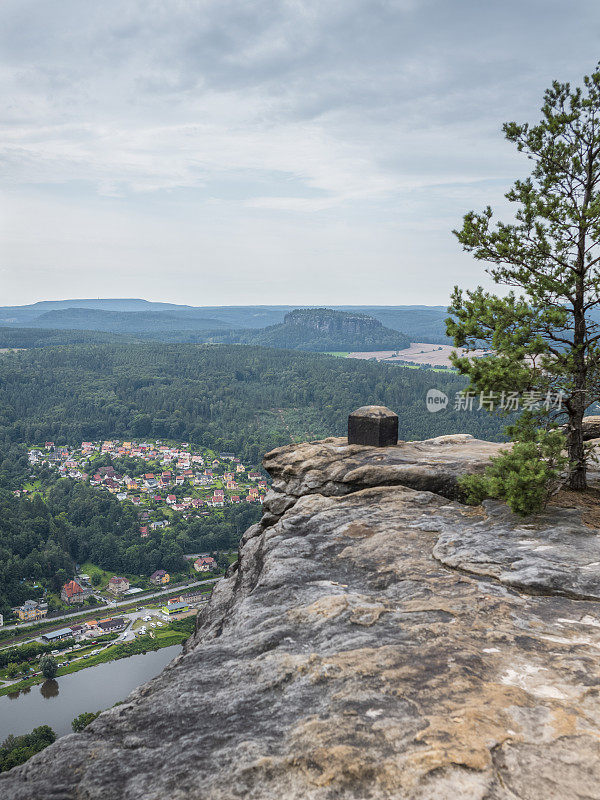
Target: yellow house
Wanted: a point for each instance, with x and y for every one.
(160, 577)
(32, 610)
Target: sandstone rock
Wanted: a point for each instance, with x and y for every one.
(333, 467)
(551, 552)
(591, 427)
(343, 660)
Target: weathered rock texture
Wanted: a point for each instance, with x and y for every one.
(373, 642)
(591, 427)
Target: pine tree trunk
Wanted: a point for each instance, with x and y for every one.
(578, 475)
(575, 446)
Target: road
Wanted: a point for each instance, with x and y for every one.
(127, 635)
(131, 601)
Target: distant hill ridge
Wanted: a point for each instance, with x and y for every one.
(175, 322)
(127, 321)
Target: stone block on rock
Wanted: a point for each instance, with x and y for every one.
(376, 426)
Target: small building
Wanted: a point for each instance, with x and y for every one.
(118, 585)
(72, 593)
(112, 625)
(56, 636)
(32, 609)
(173, 609)
(78, 630)
(134, 590)
(160, 577)
(205, 564)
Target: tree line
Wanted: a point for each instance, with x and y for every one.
(235, 398)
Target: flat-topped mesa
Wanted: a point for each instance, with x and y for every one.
(375, 639)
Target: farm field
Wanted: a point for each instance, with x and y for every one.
(420, 353)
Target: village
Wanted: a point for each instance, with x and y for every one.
(118, 588)
(156, 623)
(163, 480)
(123, 615)
(106, 616)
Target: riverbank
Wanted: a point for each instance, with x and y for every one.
(175, 634)
(57, 702)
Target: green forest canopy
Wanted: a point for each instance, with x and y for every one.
(229, 397)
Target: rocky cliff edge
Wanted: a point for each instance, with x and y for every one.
(377, 639)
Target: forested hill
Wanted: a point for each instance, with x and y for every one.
(235, 398)
(322, 329)
(51, 337)
(127, 321)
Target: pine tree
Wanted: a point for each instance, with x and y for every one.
(544, 335)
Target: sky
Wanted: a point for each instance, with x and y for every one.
(238, 152)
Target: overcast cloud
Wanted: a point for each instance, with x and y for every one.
(253, 151)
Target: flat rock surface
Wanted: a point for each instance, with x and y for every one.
(344, 660)
(333, 467)
(551, 552)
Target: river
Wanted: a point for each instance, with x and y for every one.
(58, 702)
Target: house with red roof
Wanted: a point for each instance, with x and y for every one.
(72, 593)
(205, 564)
(118, 584)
